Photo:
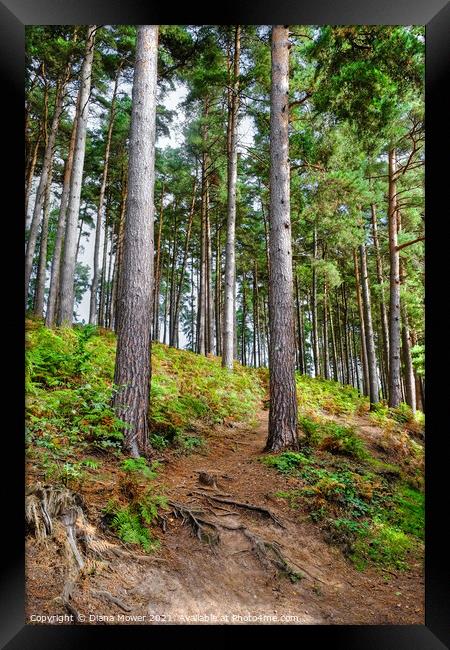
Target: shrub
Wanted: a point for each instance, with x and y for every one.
(286, 462)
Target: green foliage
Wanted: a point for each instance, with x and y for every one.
(286, 462)
(373, 517)
(333, 437)
(408, 511)
(130, 522)
(384, 545)
(68, 474)
(140, 467)
(315, 394)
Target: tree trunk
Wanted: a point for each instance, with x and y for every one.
(394, 297)
(59, 237)
(157, 272)
(283, 395)
(300, 331)
(38, 307)
(94, 285)
(172, 267)
(30, 174)
(243, 324)
(370, 341)
(184, 261)
(230, 262)
(118, 257)
(218, 294)
(315, 336)
(66, 293)
(133, 358)
(348, 368)
(365, 367)
(101, 308)
(380, 279)
(341, 345)
(256, 331)
(107, 319)
(333, 346)
(209, 293)
(355, 355)
(325, 332)
(201, 343)
(41, 190)
(119, 252)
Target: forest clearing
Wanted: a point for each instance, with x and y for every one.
(224, 292)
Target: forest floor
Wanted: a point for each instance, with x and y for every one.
(223, 562)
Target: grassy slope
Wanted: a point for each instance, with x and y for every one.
(369, 503)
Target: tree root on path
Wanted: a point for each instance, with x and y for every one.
(197, 521)
(268, 552)
(105, 595)
(249, 506)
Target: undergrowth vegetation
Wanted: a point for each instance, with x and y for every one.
(370, 504)
(370, 508)
(69, 386)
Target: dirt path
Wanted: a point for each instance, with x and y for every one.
(240, 567)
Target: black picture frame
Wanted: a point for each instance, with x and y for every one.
(435, 14)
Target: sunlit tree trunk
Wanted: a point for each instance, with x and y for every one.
(44, 181)
(395, 391)
(59, 237)
(133, 357)
(283, 396)
(38, 307)
(370, 341)
(66, 292)
(101, 200)
(230, 264)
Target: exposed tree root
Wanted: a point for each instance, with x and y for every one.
(249, 506)
(57, 513)
(105, 595)
(197, 521)
(268, 552)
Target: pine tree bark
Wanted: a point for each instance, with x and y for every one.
(333, 346)
(176, 313)
(102, 297)
(218, 294)
(244, 324)
(172, 266)
(395, 390)
(157, 271)
(59, 237)
(283, 395)
(315, 335)
(380, 279)
(41, 190)
(370, 341)
(340, 337)
(66, 292)
(325, 332)
(30, 173)
(38, 307)
(365, 367)
(100, 210)
(133, 358)
(119, 252)
(201, 315)
(230, 262)
(209, 317)
(410, 383)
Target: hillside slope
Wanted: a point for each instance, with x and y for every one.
(209, 525)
